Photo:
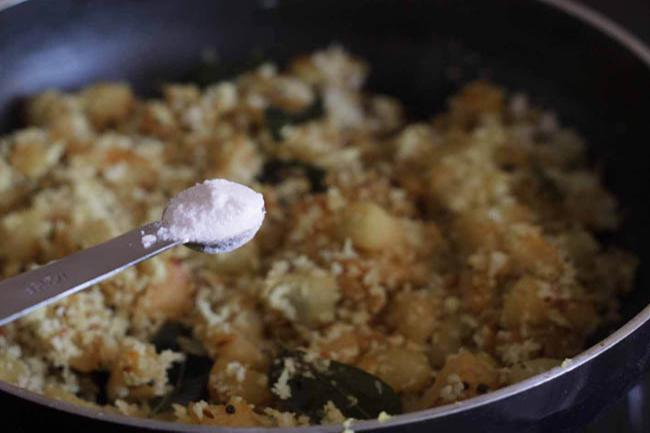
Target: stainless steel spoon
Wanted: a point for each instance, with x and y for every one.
(24, 293)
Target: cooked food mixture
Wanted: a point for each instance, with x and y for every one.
(401, 265)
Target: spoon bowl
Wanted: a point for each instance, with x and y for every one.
(224, 246)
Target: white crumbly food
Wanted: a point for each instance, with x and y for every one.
(210, 213)
(448, 258)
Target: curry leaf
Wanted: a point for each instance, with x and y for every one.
(277, 170)
(276, 118)
(166, 338)
(190, 381)
(210, 71)
(189, 378)
(313, 382)
(100, 379)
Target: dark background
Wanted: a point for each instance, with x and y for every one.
(632, 14)
(632, 413)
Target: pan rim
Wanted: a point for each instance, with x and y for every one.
(581, 12)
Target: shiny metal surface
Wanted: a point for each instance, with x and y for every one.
(23, 293)
(224, 246)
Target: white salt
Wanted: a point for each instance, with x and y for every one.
(211, 213)
(148, 240)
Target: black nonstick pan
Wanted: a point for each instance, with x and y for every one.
(566, 57)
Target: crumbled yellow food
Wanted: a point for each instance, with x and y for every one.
(448, 257)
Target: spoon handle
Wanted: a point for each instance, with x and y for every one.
(25, 292)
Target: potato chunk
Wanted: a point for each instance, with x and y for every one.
(108, 103)
(524, 305)
(463, 376)
(405, 370)
(140, 373)
(34, 153)
(309, 300)
(414, 314)
(370, 227)
(170, 297)
(234, 379)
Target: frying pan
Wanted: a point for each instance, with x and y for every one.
(593, 73)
